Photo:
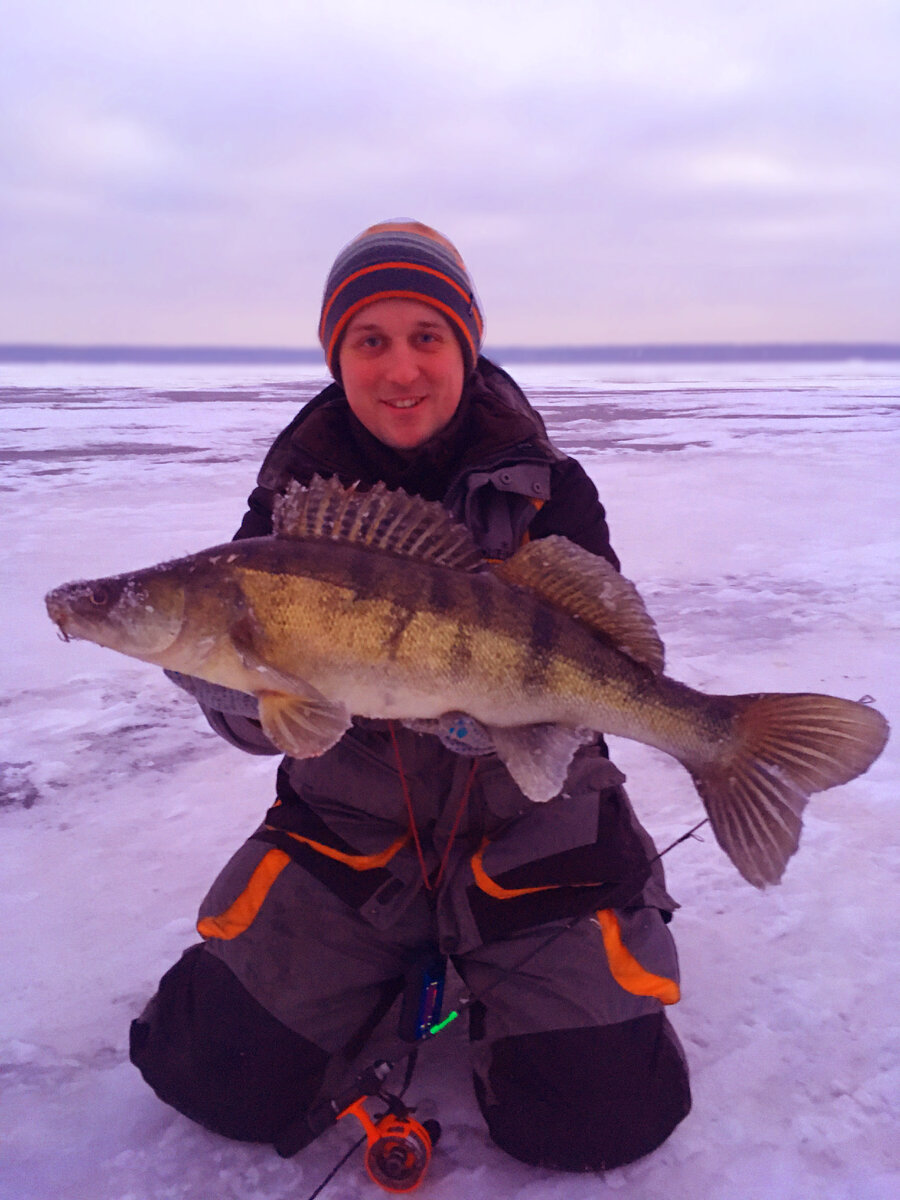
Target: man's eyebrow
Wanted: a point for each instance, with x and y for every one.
(368, 325)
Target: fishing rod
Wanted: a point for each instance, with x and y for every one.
(399, 1148)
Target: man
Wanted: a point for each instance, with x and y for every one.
(399, 843)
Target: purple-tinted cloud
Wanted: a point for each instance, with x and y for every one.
(184, 172)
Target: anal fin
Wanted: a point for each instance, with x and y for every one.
(538, 756)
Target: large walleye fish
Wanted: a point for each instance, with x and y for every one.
(376, 604)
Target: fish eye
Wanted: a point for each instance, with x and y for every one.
(99, 596)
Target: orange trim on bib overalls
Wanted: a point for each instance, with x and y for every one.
(492, 888)
(242, 913)
(487, 884)
(359, 862)
(626, 970)
(538, 504)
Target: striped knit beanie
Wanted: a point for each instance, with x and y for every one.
(400, 260)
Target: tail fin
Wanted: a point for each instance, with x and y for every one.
(782, 748)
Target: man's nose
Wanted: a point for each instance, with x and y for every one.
(402, 367)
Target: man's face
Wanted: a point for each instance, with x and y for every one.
(402, 370)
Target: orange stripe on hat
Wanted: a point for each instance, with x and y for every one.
(397, 295)
(400, 260)
(403, 266)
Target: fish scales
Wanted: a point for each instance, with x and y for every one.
(328, 608)
(355, 610)
(459, 635)
(549, 643)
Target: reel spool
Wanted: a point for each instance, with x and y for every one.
(399, 1148)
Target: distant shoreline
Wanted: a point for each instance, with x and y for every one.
(651, 353)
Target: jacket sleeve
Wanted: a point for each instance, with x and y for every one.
(257, 520)
(230, 721)
(241, 728)
(233, 715)
(243, 732)
(574, 511)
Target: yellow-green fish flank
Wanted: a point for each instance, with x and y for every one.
(376, 605)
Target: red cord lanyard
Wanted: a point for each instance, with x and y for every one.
(429, 886)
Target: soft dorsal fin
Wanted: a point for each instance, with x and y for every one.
(591, 589)
(380, 519)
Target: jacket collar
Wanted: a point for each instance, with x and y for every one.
(494, 419)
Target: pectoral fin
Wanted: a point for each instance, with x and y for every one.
(295, 716)
(538, 756)
(302, 726)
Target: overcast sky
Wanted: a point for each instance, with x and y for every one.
(184, 171)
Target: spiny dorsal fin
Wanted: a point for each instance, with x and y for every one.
(379, 519)
(591, 589)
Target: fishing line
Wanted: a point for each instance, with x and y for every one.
(331, 1174)
(410, 1056)
(430, 886)
(503, 972)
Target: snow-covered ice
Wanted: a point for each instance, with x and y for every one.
(756, 508)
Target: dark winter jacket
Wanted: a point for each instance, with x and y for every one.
(343, 815)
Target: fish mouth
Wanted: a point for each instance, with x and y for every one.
(58, 613)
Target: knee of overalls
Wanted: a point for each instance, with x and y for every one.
(587, 1099)
(213, 1053)
(576, 1066)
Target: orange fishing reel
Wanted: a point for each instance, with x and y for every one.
(399, 1148)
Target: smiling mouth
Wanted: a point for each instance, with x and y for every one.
(404, 402)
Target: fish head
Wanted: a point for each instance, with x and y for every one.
(140, 614)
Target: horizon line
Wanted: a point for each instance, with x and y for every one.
(38, 352)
